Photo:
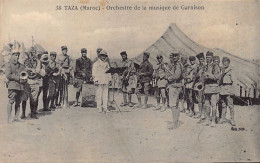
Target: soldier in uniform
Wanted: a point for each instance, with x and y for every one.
(65, 63)
(211, 90)
(128, 81)
(182, 98)
(227, 81)
(174, 87)
(45, 80)
(189, 83)
(83, 73)
(145, 74)
(15, 85)
(216, 61)
(102, 80)
(199, 94)
(36, 72)
(160, 75)
(53, 81)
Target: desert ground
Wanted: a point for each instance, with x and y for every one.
(82, 134)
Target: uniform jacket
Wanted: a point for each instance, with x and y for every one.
(12, 71)
(83, 65)
(211, 82)
(99, 72)
(147, 69)
(65, 61)
(33, 63)
(190, 75)
(201, 68)
(175, 77)
(227, 81)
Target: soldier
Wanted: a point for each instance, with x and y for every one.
(45, 80)
(184, 64)
(199, 80)
(211, 90)
(65, 64)
(15, 85)
(227, 81)
(189, 83)
(35, 71)
(160, 75)
(174, 87)
(145, 74)
(83, 73)
(128, 81)
(53, 81)
(102, 80)
(216, 61)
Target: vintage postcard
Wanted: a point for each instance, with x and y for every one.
(129, 81)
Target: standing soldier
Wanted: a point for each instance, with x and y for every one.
(227, 81)
(182, 98)
(102, 80)
(216, 61)
(189, 82)
(45, 80)
(65, 63)
(174, 87)
(83, 73)
(35, 74)
(128, 81)
(211, 90)
(15, 85)
(199, 93)
(160, 75)
(53, 80)
(144, 77)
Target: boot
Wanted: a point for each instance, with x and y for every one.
(175, 116)
(9, 111)
(200, 111)
(223, 115)
(23, 110)
(232, 114)
(213, 123)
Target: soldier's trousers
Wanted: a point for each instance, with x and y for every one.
(53, 91)
(174, 93)
(34, 97)
(45, 88)
(189, 97)
(102, 96)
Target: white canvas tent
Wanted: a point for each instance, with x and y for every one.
(247, 72)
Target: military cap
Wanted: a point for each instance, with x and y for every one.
(216, 58)
(53, 53)
(192, 58)
(159, 56)
(225, 59)
(209, 54)
(83, 50)
(99, 49)
(103, 52)
(15, 52)
(147, 54)
(123, 53)
(200, 55)
(45, 52)
(64, 47)
(44, 58)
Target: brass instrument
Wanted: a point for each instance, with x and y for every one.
(24, 75)
(56, 71)
(126, 77)
(65, 100)
(198, 86)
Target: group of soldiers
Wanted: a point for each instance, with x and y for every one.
(207, 84)
(183, 80)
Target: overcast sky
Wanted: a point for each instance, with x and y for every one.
(233, 26)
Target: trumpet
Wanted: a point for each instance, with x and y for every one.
(198, 86)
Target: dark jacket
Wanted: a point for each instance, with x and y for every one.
(83, 66)
(12, 71)
(147, 69)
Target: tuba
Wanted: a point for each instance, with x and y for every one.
(56, 71)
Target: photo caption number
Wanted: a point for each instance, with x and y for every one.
(58, 7)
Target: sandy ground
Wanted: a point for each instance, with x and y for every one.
(134, 135)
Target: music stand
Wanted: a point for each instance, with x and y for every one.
(113, 70)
